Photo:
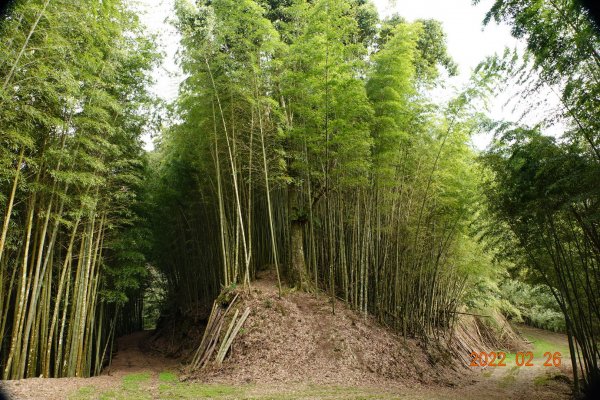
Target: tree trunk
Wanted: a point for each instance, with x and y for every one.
(298, 274)
(299, 277)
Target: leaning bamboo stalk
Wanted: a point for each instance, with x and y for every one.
(211, 334)
(233, 169)
(213, 341)
(109, 341)
(226, 337)
(222, 220)
(205, 336)
(229, 338)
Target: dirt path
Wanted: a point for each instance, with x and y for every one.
(133, 357)
(129, 360)
(531, 382)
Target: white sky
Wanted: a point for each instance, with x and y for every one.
(155, 14)
(468, 42)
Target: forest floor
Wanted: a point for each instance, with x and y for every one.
(267, 364)
(137, 374)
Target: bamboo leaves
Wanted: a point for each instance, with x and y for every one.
(71, 154)
(318, 156)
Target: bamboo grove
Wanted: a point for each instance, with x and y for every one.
(307, 143)
(71, 164)
(544, 191)
(308, 139)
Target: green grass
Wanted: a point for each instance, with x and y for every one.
(184, 390)
(540, 347)
(167, 377)
(541, 380)
(86, 392)
(132, 382)
(509, 378)
(548, 378)
(130, 390)
(139, 386)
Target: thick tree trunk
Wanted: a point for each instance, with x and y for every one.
(298, 273)
(299, 276)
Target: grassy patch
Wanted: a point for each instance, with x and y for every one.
(541, 380)
(170, 388)
(510, 377)
(177, 390)
(130, 390)
(167, 377)
(114, 395)
(549, 378)
(541, 346)
(325, 393)
(86, 392)
(132, 381)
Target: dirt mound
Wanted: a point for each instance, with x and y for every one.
(297, 338)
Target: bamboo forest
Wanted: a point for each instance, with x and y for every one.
(329, 206)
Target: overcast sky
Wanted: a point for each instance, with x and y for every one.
(468, 41)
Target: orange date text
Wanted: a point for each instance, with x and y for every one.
(522, 359)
